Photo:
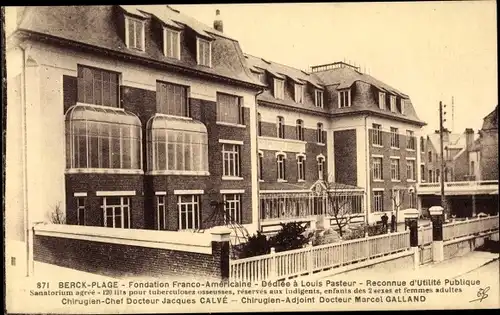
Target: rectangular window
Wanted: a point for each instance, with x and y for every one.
(381, 100)
(299, 93)
(396, 199)
(410, 140)
(422, 145)
(281, 169)
(431, 177)
(204, 52)
(319, 133)
(319, 98)
(279, 89)
(135, 33)
(189, 212)
(344, 98)
(410, 170)
(377, 168)
(171, 99)
(97, 86)
(300, 130)
(429, 156)
(116, 212)
(301, 171)
(161, 213)
(438, 176)
(393, 103)
(377, 134)
(231, 160)
(394, 138)
(395, 169)
(402, 109)
(259, 124)
(172, 43)
(229, 108)
(80, 210)
(259, 167)
(281, 127)
(232, 208)
(378, 201)
(422, 172)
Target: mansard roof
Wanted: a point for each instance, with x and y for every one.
(99, 28)
(491, 120)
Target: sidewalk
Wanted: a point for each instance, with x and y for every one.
(450, 268)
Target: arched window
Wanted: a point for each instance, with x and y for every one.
(300, 129)
(321, 166)
(320, 138)
(102, 138)
(177, 146)
(301, 169)
(281, 166)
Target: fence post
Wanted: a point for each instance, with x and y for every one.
(272, 269)
(220, 250)
(437, 233)
(412, 217)
(367, 246)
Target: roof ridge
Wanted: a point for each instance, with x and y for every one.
(278, 63)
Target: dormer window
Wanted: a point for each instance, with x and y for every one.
(393, 103)
(381, 100)
(344, 98)
(204, 55)
(279, 89)
(134, 33)
(319, 98)
(402, 106)
(299, 93)
(171, 43)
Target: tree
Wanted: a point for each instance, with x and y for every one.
(291, 236)
(58, 216)
(398, 196)
(341, 203)
(256, 245)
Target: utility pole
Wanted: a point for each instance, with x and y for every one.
(441, 130)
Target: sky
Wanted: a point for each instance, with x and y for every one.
(432, 51)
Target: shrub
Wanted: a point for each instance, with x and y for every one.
(327, 237)
(256, 245)
(292, 235)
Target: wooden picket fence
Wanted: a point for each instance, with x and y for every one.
(288, 264)
(469, 227)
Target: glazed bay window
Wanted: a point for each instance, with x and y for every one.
(410, 140)
(281, 127)
(134, 33)
(116, 212)
(318, 98)
(232, 208)
(80, 210)
(177, 146)
(100, 139)
(378, 201)
(299, 93)
(204, 52)
(376, 134)
(300, 129)
(394, 138)
(189, 212)
(279, 88)
(377, 168)
(344, 98)
(171, 99)
(301, 170)
(171, 41)
(281, 167)
(395, 176)
(161, 212)
(97, 86)
(381, 100)
(229, 108)
(231, 160)
(410, 170)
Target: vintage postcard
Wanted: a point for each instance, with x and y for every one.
(251, 157)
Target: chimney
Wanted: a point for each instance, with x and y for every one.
(218, 24)
(469, 138)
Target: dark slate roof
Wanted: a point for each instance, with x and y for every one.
(331, 80)
(98, 26)
(491, 120)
